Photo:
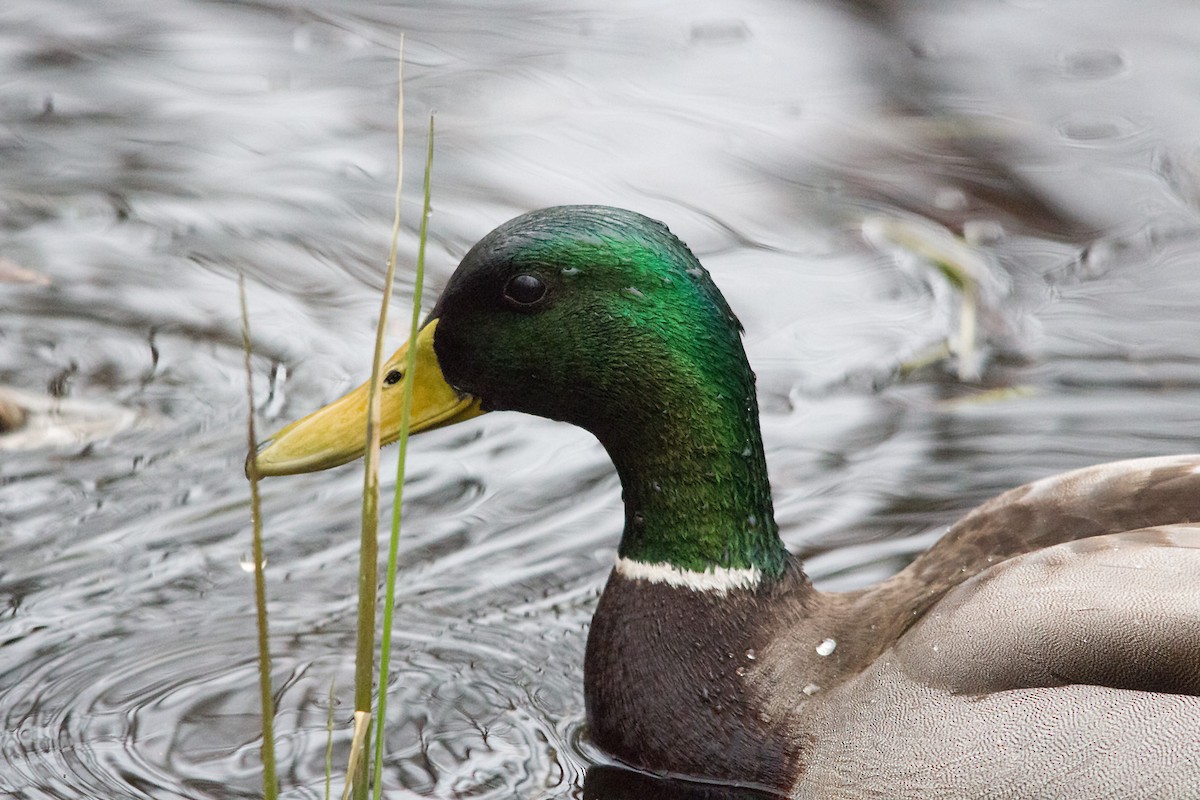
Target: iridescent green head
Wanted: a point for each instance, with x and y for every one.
(602, 318)
(591, 315)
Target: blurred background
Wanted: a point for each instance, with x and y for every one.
(844, 169)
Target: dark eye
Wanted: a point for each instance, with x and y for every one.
(524, 290)
(392, 377)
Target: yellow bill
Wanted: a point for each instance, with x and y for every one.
(337, 433)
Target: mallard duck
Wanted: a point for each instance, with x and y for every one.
(1048, 646)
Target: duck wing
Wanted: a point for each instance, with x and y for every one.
(1119, 610)
(1072, 673)
(1104, 499)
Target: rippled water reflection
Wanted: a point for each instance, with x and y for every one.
(149, 153)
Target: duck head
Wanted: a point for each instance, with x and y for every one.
(598, 317)
(562, 313)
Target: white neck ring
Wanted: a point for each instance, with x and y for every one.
(714, 580)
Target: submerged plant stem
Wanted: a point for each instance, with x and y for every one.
(270, 780)
(410, 368)
(329, 741)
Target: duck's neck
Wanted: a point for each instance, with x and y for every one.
(694, 481)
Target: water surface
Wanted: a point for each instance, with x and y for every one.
(149, 153)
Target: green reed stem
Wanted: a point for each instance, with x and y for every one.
(270, 780)
(364, 663)
(369, 551)
(389, 602)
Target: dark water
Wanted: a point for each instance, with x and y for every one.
(151, 152)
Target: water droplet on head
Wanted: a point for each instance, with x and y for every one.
(826, 647)
(634, 292)
(810, 689)
(570, 272)
(751, 655)
(741, 671)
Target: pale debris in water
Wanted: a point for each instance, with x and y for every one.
(63, 422)
(12, 272)
(922, 244)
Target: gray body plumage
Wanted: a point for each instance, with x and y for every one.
(1068, 673)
